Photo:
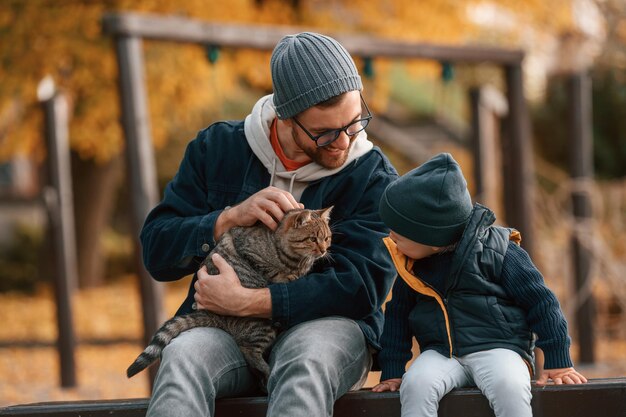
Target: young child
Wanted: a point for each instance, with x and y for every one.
(470, 296)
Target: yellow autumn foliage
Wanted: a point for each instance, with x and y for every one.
(63, 38)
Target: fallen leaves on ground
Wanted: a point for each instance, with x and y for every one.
(112, 312)
(29, 366)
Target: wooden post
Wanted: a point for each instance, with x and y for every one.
(264, 37)
(477, 143)
(487, 107)
(581, 172)
(141, 170)
(59, 203)
(519, 182)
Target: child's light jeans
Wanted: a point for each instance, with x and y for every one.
(501, 374)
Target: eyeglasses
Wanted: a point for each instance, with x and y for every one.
(328, 137)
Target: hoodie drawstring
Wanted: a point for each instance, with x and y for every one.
(293, 178)
(273, 173)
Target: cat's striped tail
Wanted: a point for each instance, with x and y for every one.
(170, 329)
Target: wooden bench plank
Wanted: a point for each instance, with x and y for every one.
(600, 397)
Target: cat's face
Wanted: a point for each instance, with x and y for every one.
(306, 232)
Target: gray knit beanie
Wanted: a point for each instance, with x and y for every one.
(307, 69)
(430, 204)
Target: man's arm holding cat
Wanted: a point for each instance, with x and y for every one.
(223, 293)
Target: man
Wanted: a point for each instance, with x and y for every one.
(305, 145)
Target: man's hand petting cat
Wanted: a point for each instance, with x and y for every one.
(268, 206)
(223, 293)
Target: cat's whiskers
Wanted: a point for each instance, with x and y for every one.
(328, 257)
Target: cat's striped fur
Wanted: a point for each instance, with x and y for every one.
(259, 256)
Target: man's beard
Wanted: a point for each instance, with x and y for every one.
(318, 156)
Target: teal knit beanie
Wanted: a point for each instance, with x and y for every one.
(430, 204)
(307, 69)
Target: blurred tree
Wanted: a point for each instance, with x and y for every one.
(608, 77)
(609, 95)
(63, 38)
(609, 121)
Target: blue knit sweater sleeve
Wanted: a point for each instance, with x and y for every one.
(396, 340)
(524, 283)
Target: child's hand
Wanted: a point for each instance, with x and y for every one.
(388, 385)
(561, 376)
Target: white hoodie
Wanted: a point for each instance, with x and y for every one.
(257, 129)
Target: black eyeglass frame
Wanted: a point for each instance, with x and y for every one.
(337, 132)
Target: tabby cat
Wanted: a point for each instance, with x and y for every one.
(259, 256)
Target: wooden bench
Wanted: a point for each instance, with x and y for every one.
(599, 397)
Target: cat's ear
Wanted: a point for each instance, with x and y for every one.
(302, 218)
(325, 213)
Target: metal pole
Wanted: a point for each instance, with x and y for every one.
(519, 182)
(141, 170)
(581, 172)
(59, 202)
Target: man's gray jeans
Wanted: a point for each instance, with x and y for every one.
(312, 364)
